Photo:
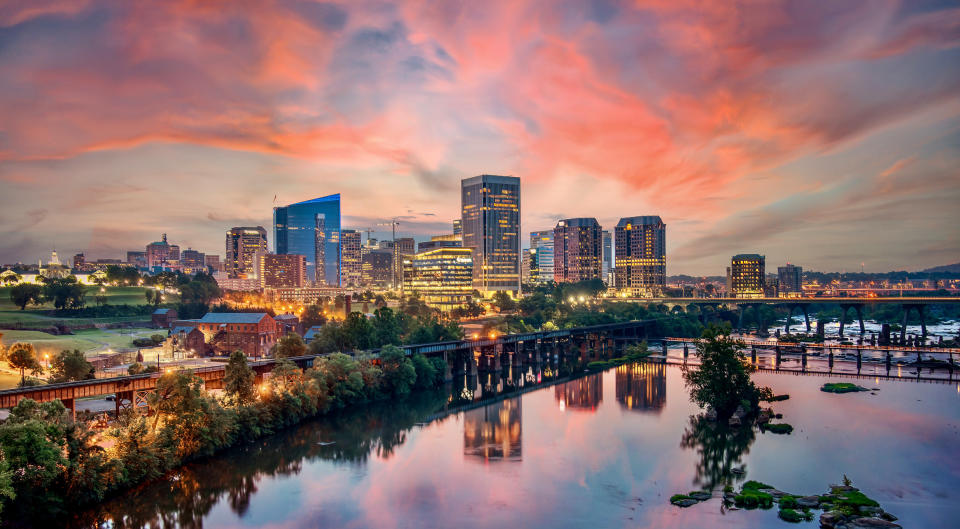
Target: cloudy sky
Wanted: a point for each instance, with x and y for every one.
(820, 133)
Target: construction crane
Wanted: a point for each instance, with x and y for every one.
(369, 232)
(394, 222)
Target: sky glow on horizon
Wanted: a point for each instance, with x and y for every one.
(826, 134)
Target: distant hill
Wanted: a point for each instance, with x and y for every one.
(945, 269)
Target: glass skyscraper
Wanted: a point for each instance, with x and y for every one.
(312, 229)
(640, 260)
(490, 218)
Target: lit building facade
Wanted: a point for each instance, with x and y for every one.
(403, 248)
(441, 241)
(745, 277)
(640, 266)
(192, 261)
(607, 268)
(490, 219)
(162, 254)
(137, 259)
(443, 278)
(542, 242)
(577, 250)
(212, 262)
(351, 268)
(243, 243)
(377, 268)
(281, 271)
(790, 281)
(312, 228)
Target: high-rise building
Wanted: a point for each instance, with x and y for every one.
(577, 250)
(745, 277)
(607, 267)
(192, 261)
(458, 227)
(790, 280)
(281, 271)
(243, 243)
(490, 217)
(312, 228)
(440, 241)
(80, 262)
(351, 268)
(640, 264)
(443, 278)
(542, 242)
(402, 248)
(161, 253)
(212, 262)
(377, 268)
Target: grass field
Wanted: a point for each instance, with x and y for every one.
(10, 313)
(89, 341)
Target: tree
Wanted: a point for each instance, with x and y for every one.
(312, 316)
(503, 302)
(25, 293)
(65, 293)
(285, 375)
(23, 356)
(238, 379)
(100, 299)
(425, 370)
(69, 365)
(399, 374)
(723, 378)
(288, 346)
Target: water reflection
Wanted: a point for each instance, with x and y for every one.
(494, 432)
(642, 386)
(720, 450)
(581, 394)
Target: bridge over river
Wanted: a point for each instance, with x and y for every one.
(462, 357)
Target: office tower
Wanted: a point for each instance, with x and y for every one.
(542, 242)
(443, 278)
(281, 271)
(525, 266)
(80, 262)
(607, 257)
(377, 268)
(490, 218)
(440, 241)
(577, 250)
(243, 243)
(161, 253)
(402, 248)
(641, 255)
(192, 261)
(351, 269)
(312, 228)
(745, 276)
(212, 262)
(457, 227)
(790, 280)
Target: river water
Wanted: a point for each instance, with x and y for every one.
(603, 450)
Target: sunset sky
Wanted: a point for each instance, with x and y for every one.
(824, 133)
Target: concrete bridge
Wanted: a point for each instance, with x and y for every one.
(461, 357)
(915, 303)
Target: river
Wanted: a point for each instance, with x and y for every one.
(603, 450)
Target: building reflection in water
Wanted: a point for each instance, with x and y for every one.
(584, 393)
(494, 432)
(642, 386)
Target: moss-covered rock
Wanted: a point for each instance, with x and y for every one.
(842, 387)
(778, 428)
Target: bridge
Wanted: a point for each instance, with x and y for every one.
(462, 357)
(912, 303)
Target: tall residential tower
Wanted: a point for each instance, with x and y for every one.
(577, 250)
(640, 267)
(242, 245)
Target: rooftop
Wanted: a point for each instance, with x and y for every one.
(233, 317)
(643, 220)
(329, 198)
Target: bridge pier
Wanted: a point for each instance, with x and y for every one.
(803, 359)
(753, 354)
(777, 349)
(859, 360)
(447, 371)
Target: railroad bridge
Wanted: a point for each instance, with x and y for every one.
(462, 357)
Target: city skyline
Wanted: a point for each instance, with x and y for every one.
(827, 139)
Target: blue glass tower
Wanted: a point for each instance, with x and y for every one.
(312, 229)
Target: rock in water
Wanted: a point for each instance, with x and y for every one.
(871, 523)
(700, 495)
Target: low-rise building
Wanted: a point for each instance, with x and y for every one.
(254, 333)
(163, 318)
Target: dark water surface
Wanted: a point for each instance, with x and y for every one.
(605, 450)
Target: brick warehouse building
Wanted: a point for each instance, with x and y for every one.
(254, 333)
